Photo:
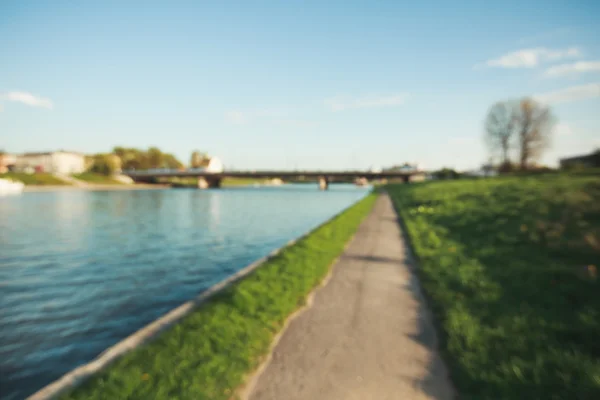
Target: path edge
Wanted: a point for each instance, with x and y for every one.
(426, 301)
(244, 391)
(144, 335)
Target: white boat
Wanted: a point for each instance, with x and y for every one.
(8, 186)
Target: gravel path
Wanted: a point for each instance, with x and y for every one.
(367, 334)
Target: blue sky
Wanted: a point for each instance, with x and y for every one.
(290, 84)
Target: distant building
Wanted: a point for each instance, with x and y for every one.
(7, 162)
(58, 162)
(587, 161)
(406, 167)
(214, 165)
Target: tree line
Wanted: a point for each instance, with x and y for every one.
(129, 158)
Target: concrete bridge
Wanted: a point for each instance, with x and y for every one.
(213, 179)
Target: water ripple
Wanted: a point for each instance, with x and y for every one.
(80, 271)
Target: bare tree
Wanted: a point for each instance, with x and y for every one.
(534, 123)
(500, 128)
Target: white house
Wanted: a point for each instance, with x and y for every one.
(58, 162)
(211, 164)
(214, 165)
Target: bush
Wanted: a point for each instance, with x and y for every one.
(445, 173)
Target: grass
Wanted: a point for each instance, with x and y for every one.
(241, 181)
(34, 179)
(99, 179)
(510, 269)
(226, 182)
(209, 353)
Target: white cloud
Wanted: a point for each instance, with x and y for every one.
(572, 69)
(529, 58)
(240, 117)
(236, 117)
(570, 94)
(348, 103)
(563, 129)
(553, 34)
(297, 123)
(28, 99)
(461, 140)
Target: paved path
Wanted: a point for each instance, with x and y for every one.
(366, 335)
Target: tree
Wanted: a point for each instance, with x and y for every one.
(130, 158)
(530, 121)
(171, 162)
(155, 158)
(197, 159)
(499, 128)
(106, 164)
(152, 158)
(534, 123)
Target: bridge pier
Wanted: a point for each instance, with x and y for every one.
(323, 183)
(209, 183)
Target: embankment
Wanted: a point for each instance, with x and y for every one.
(510, 269)
(226, 333)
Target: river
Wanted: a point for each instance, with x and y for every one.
(81, 270)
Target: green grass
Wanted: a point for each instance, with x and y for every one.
(210, 352)
(99, 179)
(510, 269)
(226, 182)
(33, 179)
(241, 181)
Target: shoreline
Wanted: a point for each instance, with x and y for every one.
(60, 188)
(338, 229)
(139, 186)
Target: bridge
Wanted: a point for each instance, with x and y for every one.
(213, 179)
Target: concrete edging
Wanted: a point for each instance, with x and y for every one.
(144, 335)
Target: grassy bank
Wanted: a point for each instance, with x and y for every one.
(97, 179)
(510, 267)
(34, 179)
(226, 182)
(209, 353)
(241, 181)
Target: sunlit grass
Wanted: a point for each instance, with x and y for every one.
(241, 181)
(209, 353)
(226, 182)
(94, 178)
(33, 179)
(510, 267)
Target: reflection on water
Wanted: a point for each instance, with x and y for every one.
(214, 209)
(81, 270)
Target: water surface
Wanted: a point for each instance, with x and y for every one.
(81, 270)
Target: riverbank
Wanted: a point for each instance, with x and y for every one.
(510, 269)
(91, 187)
(210, 352)
(189, 183)
(39, 179)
